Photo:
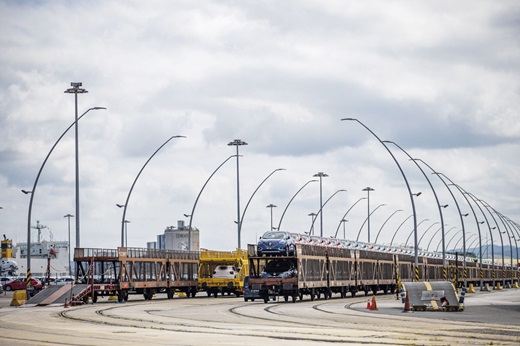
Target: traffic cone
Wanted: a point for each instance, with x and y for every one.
(374, 304)
(368, 304)
(407, 304)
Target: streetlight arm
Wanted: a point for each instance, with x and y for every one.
(133, 184)
(319, 211)
(373, 211)
(297, 192)
(406, 182)
(200, 192)
(36, 183)
(398, 228)
(345, 215)
(250, 198)
(384, 223)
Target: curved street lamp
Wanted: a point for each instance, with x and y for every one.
(398, 228)
(197, 199)
(426, 231)
(416, 255)
(368, 217)
(474, 199)
(436, 200)
(241, 221)
(34, 190)
(433, 236)
(438, 174)
(287, 206)
(487, 206)
(412, 232)
(133, 184)
(437, 249)
(384, 223)
(321, 208)
(345, 215)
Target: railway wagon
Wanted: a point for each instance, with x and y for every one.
(319, 270)
(122, 271)
(213, 282)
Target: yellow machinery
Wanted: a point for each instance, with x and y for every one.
(222, 271)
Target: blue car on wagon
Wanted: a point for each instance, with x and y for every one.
(276, 243)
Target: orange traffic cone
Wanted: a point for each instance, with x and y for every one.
(374, 304)
(368, 304)
(406, 304)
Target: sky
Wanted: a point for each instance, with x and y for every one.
(440, 79)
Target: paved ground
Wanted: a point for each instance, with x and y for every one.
(490, 318)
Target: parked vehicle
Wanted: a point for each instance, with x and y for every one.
(279, 268)
(276, 243)
(224, 271)
(20, 284)
(6, 279)
(249, 292)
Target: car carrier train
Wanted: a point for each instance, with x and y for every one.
(300, 270)
(326, 269)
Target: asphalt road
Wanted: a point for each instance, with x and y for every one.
(489, 318)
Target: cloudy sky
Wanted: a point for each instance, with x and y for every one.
(441, 79)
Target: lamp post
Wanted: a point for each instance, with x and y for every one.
(321, 209)
(321, 175)
(32, 192)
(488, 207)
(368, 218)
(345, 215)
(237, 143)
(506, 231)
(76, 89)
(271, 206)
(126, 222)
(384, 223)
(416, 254)
(198, 196)
(368, 189)
(241, 221)
(125, 206)
(440, 175)
(287, 206)
(444, 266)
(68, 216)
(465, 194)
(344, 233)
(313, 217)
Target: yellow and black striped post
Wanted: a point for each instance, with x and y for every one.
(481, 274)
(416, 271)
(28, 279)
(493, 274)
(444, 274)
(465, 274)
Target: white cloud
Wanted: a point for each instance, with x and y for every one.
(441, 79)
